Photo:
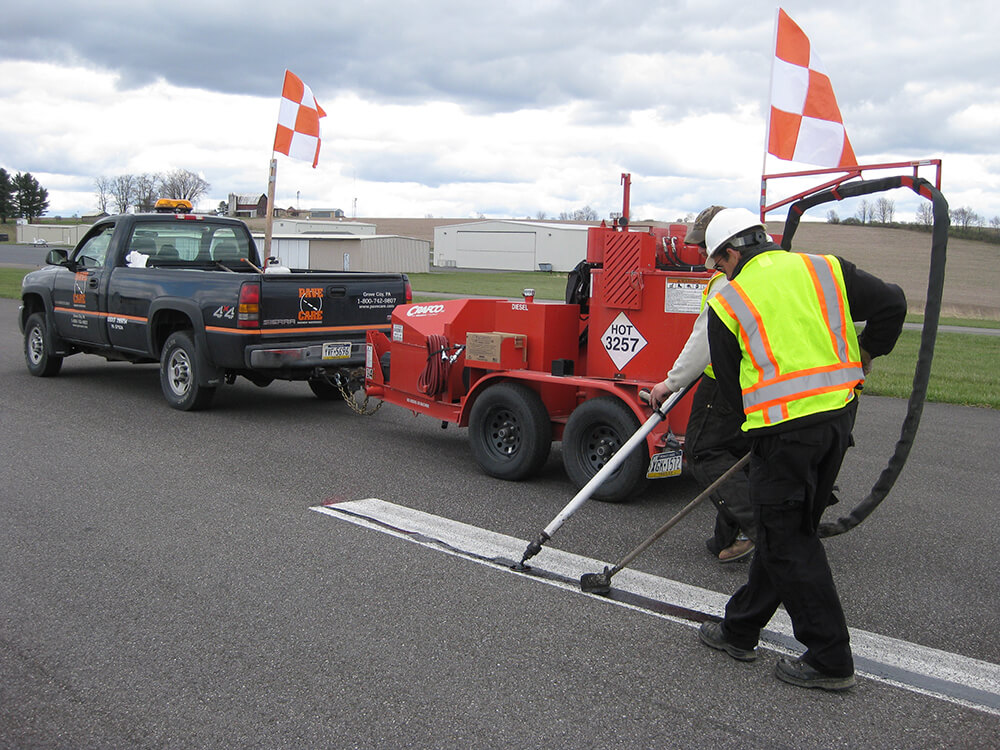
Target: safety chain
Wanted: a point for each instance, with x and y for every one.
(361, 408)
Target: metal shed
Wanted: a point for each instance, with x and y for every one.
(510, 245)
(359, 252)
(320, 226)
(53, 234)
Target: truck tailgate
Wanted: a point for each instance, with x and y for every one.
(327, 302)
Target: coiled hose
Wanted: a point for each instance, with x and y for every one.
(435, 375)
(932, 313)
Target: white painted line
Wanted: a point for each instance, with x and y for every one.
(952, 677)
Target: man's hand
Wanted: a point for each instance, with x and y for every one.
(659, 394)
(866, 362)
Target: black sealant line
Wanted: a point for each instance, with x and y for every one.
(779, 641)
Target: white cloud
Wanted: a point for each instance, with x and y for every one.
(507, 110)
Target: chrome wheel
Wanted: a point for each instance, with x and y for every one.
(179, 372)
(36, 346)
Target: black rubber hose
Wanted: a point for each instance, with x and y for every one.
(932, 314)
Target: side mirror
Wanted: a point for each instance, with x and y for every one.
(57, 257)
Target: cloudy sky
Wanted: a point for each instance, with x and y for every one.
(452, 108)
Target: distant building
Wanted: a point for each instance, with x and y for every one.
(282, 225)
(510, 245)
(326, 213)
(247, 206)
(349, 252)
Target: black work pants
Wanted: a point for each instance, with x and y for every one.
(791, 479)
(713, 443)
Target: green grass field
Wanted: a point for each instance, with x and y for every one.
(10, 282)
(548, 286)
(966, 368)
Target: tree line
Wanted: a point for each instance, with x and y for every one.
(21, 197)
(883, 211)
(141, 191)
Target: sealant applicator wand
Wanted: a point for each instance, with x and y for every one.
(533, 549)
(638, 438)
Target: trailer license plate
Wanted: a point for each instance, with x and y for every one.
(666, 464)
(336, 349)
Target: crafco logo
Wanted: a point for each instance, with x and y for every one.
(421, 310)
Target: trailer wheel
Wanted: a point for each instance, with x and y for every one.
(37, 356)
(510, 431)
(179, 374)
(594, 432)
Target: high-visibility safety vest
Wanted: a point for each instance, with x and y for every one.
(704, 301)
(790, 314)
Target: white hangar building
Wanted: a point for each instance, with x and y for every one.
(510, 245)
(350, 252)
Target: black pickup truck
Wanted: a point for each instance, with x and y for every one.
(188, 291)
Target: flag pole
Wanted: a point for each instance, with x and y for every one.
(269, 219)
(767, 126)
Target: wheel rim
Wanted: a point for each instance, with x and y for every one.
(36, 346)
(503, 433)
(179, 372)
(601, 444)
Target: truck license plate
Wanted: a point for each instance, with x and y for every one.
(666, 464)
(336, 349)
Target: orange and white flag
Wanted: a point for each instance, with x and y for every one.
(297, 135)
(805, 122)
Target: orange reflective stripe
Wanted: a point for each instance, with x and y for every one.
(841, 308)
(821, 296)
(763, 333)
(799, 385)
(800, 374)
(744, 335)
(783, 403)
(831, 300)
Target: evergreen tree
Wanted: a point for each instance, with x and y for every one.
(32, 200)
(6, 196)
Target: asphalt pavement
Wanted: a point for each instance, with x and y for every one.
(166, 582)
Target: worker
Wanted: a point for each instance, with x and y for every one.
(785, 351)
(714, 440)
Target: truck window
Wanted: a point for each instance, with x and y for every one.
(93, 251)
(173, 242)
(228, 245)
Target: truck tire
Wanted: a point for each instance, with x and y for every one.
(594, 432)
(179, 374)
(510, 431)
(37, 348)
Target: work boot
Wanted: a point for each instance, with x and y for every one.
(797, 672)
(737, 550)
(711, 635)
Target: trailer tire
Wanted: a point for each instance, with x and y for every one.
(510, 431)
(594, 432)
(179, 374)
(38, 348)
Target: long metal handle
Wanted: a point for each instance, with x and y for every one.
(615, 461)
(679, 515)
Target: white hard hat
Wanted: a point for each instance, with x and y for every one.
(728, 224)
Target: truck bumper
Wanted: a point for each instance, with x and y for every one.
(300, 356)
